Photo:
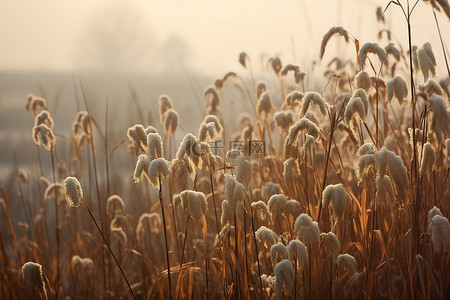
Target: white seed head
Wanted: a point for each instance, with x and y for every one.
(293, 97)
(371, 48)
(261, 87)
(392, 50)
(361, 93)
(301, 125)
(261, 210)
(270, 189)
(335, 196)
(431, 87)
(433, 212)
(284, 277)
(348, 261)
(292, 209)
(297, 252)
(210, 129)
(397, 88)
(137, 135)
(147, 223)
(367, 148)
(33, 280)
(291, 170)
(194, 203)
(74, 193)
(354, 109)
(363, 81)
(426, 60)
(306, 229)
(331, 244)
(266, 236)
(440, 233)
(385, 190)
(439, 121)
(277, 204)
(244, 171)
(428, 159)
(154, 145)
(278, 252)
(53, 190)
(141, 170)
(283, 120)
(397, 170)
(227, 216)
(315, 98)
(158, 170)
(336, 30)
(365, 163)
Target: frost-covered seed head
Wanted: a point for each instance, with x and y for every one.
(44, 117)
(158, 170)
(170, 121)
(385, 190)
(288, 68)
(306, 229)
(244, 171)
(435, 211)
(336, 30)
(292, 209)
(428, 159)
(392, 50)
(301, 125)
(431, 87)
(33, 280)
(227, 216)
(348, 261)
(266, 236)
(426, 61)
(284, 120)
(194, 203)
(293, 97)
(440, 233)
(335, 196)
(331, 244)
(261, 210)
(365, 163)
(270, 189)
(284, 277)
(315, 98)
(141, 170)
(210, 129)
(371, 48)
(297, 252)
(397, 88)
(74, 193)
(261, 88)
(278, 252)
(277, 204)
(354, 108)
(137, 135)
(363, 81)
(165, 103)
(155, 146)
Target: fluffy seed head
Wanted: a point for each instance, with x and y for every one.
(119, 235)
(155, 146)
(284, 120)
(363, 81)
(290, 170)
(397, 88)
(114, 205)
(44, 117)
(74, 193)
(165, 103)
(288, 68)
(361, 93)
(299, 77)
(331, 244)
(210, 129)
(278, 252)
(354, 109)
(141, 170)
(277, 204)
(227, 216)
(392, 50)
(439, 121)
(433, 212)
(266, 236)
(158, 170)
(348, 261)
(264, 106)
(35, 103)
(337, 30)
(43, 133)
(426, 60)
(335, 196)
(431, 87)
(292, 209)
(297, 252)
(261, 88)
(365, 163)
(276, 64)
(303, 124)
(170, 121)
(397, 170)
(270, 189)
(138, 136)
(147, 223)
(242, 57)
(306, 229)
(315, 98)
(82, 267)
(385, 190)
(440, 233)
(244, 171)
(33, 280)
(293, 97)
(194, 203)
(428, 159)
(371, 48)
(284, 277)
(261, 210)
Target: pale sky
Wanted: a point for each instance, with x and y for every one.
(208, 35)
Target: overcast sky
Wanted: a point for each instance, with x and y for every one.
(206, 35)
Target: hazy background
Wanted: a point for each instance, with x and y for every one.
(116, 47)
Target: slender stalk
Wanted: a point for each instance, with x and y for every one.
(52, 153)
(109, 248)
(165, 236)
(214, 199)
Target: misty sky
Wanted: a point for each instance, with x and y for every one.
(206, 35)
